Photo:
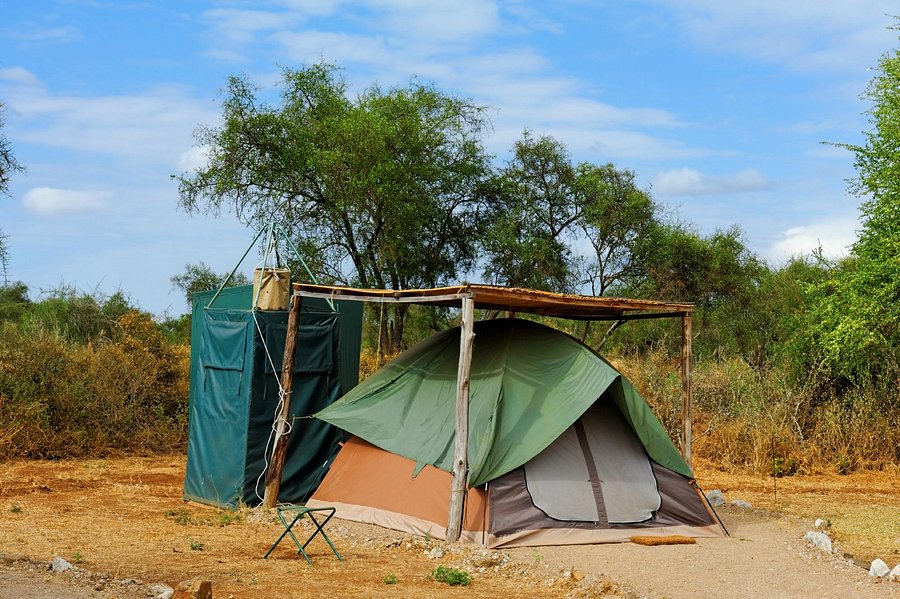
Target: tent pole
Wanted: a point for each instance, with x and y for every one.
(273, 481)
(460, 457)
(686, 391)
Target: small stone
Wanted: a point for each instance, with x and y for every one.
(194, 589)
(745, 505)
(436, 553)
(878, 568)
(577, 575)
(895, 574)
(161, 591)
(819, 540)
(716, 498)
(820, 523)
(60, 565)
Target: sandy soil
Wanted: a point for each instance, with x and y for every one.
(124, 519)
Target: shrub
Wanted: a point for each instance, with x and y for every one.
(451, 576)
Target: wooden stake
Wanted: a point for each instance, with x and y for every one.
(276, 466)
(686, 393)
(460, 457)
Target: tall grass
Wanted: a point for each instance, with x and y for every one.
(757, 420)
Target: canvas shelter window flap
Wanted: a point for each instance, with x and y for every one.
(224, 344)
(315, 347)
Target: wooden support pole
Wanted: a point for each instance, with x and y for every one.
(276, 466)
(686, 392)
(460, 457)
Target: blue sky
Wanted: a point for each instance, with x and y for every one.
(719, 107)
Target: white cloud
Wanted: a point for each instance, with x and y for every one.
(311, 46)
(834, 235)
(150, 127)
(689, 182)
(52, 201)
(236, 26)
(194, 159)
(828, 35)
(18, 75)
(440, 21)
(52, 35)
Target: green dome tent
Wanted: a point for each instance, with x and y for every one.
(561, 448)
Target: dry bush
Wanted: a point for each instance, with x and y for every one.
(64, 399)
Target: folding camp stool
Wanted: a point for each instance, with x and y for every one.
(300, 511)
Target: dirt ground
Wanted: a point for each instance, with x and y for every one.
(122, 523)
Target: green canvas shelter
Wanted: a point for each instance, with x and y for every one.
(561, 447)
(236, 358)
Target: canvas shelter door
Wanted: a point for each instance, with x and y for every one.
(596, 471)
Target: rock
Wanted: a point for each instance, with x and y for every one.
(745, 505)
(894, 574)
(489, 559)
(577, 575)
(820, 523)
(161, 591)
(819, 540)
(8, 559)
(716, 498)
(436, 553)
(878, 568)
(60, 565)
(194, 589)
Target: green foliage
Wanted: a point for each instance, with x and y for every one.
(77, 557)
(15, 509)
(390, 579)
(14, 302)
(618, 220)
(531, 211)
(379, 190)
(197, 546)
(200, 277)
(856, 321)
(451, 576)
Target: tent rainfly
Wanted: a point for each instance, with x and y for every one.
(546, 442)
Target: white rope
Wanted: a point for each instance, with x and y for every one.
(282, 394)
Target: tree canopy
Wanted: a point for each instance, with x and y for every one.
(380, 188)
(858, 312)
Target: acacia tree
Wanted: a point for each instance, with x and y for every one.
(8, 166)
(617, 219)
(531, 209)
(380, 188)
(541, 206)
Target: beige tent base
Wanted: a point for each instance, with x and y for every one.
(526, 538)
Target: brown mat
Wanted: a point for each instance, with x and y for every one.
(670, 540)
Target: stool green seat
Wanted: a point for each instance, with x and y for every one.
(298, 512)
